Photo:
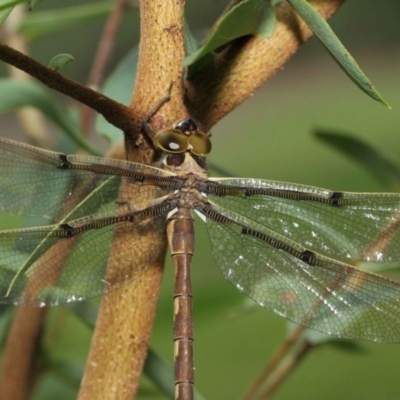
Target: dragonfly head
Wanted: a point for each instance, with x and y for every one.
(184, 136)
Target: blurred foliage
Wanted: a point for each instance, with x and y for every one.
(270, 137)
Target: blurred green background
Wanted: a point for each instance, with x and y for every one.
(269, 136)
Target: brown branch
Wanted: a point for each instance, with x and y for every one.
(114, 112)
(18, 370)
(287, 367)
(17, 375)
(119, 345)
(248, 63)
(122, 333)
(272, 365)
(160, 62)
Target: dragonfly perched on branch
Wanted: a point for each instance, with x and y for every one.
(287, 246)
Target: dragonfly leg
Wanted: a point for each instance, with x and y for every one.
(145, 124)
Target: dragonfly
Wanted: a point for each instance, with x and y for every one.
(290, 247)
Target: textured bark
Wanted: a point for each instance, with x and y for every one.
(125, 321)
(248, 63)
(119, 345)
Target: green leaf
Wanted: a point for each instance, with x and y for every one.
(316, 338)
(60, 60)
(85, 311)
(190, 41)
(378, 268)
(364, 154)
(68, 371)
(34, 3)
(6, 317)
(119, 87)
(4, 13)
(17, 94)
(162, 375)
(13, 276)
(10, 3)
(45, 23)
(339, 53)
(249, 17)
(349, 346)
(155, 368)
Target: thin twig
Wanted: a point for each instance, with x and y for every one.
(289, 343)
(102, 56)
(287, 367)
(116, 113)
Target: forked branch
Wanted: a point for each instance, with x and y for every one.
(120, 341)
(248, 63)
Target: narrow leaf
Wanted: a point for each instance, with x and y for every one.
(364, 154)
(379, 268)
(10, 3)
(34, 3)
(85, 311)
(44, 23)
(118, 86)
(162, 375)
(155, 368)
(16, 94)
(6, 317)
(339, 53)
(68, 371)
(246, 18)
(190, 41)
(4, 13)
(316, 338)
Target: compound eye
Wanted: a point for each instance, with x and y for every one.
(171, 141)
(200, 144)
(186, 126)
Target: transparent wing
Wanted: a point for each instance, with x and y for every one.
(89, 251)
(58, 264)
(302, 286)
(363, 226)
(37, 182)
